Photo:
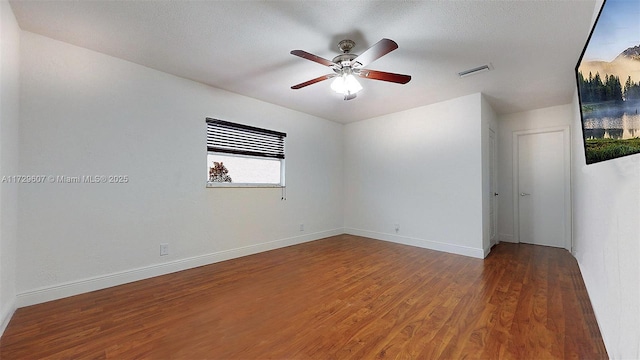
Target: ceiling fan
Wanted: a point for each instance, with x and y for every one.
(347, 66)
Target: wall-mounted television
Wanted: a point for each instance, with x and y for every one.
(608, 79)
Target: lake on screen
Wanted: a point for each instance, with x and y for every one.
(608, 124)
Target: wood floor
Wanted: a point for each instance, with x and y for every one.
(344, 297)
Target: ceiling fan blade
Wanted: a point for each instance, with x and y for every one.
(305, 55)
(375, 52)
(313, 81)
(384, 76)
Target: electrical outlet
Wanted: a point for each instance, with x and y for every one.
(397, 227)
(301, 227)
(164, 249)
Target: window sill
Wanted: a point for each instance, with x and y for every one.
(238, 185)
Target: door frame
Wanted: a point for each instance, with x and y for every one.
(566, 132)
(493, 185)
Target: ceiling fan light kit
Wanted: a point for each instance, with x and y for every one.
(346, 84)
(347, 66)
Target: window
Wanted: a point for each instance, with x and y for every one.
(241, 155)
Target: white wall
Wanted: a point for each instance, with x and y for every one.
(9, 114)
(85, 113)
(606, 228)
(422, 169)
(550, 117)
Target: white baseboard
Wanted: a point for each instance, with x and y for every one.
(506, 238)
(427, 244)
(6, 313)
(606, 339)
(63, 290)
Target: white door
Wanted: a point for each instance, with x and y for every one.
(542, 188)
(493, 188)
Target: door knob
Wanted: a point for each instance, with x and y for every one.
(524, 194)
(495, 194)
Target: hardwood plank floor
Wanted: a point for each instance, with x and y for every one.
(343, 297)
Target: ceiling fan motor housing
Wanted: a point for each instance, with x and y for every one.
(344, 61)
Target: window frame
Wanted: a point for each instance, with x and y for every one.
(236, 126)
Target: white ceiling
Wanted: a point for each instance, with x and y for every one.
(243, 47)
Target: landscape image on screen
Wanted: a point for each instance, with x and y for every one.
(608, 76)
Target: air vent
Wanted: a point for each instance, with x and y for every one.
(474, 71)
